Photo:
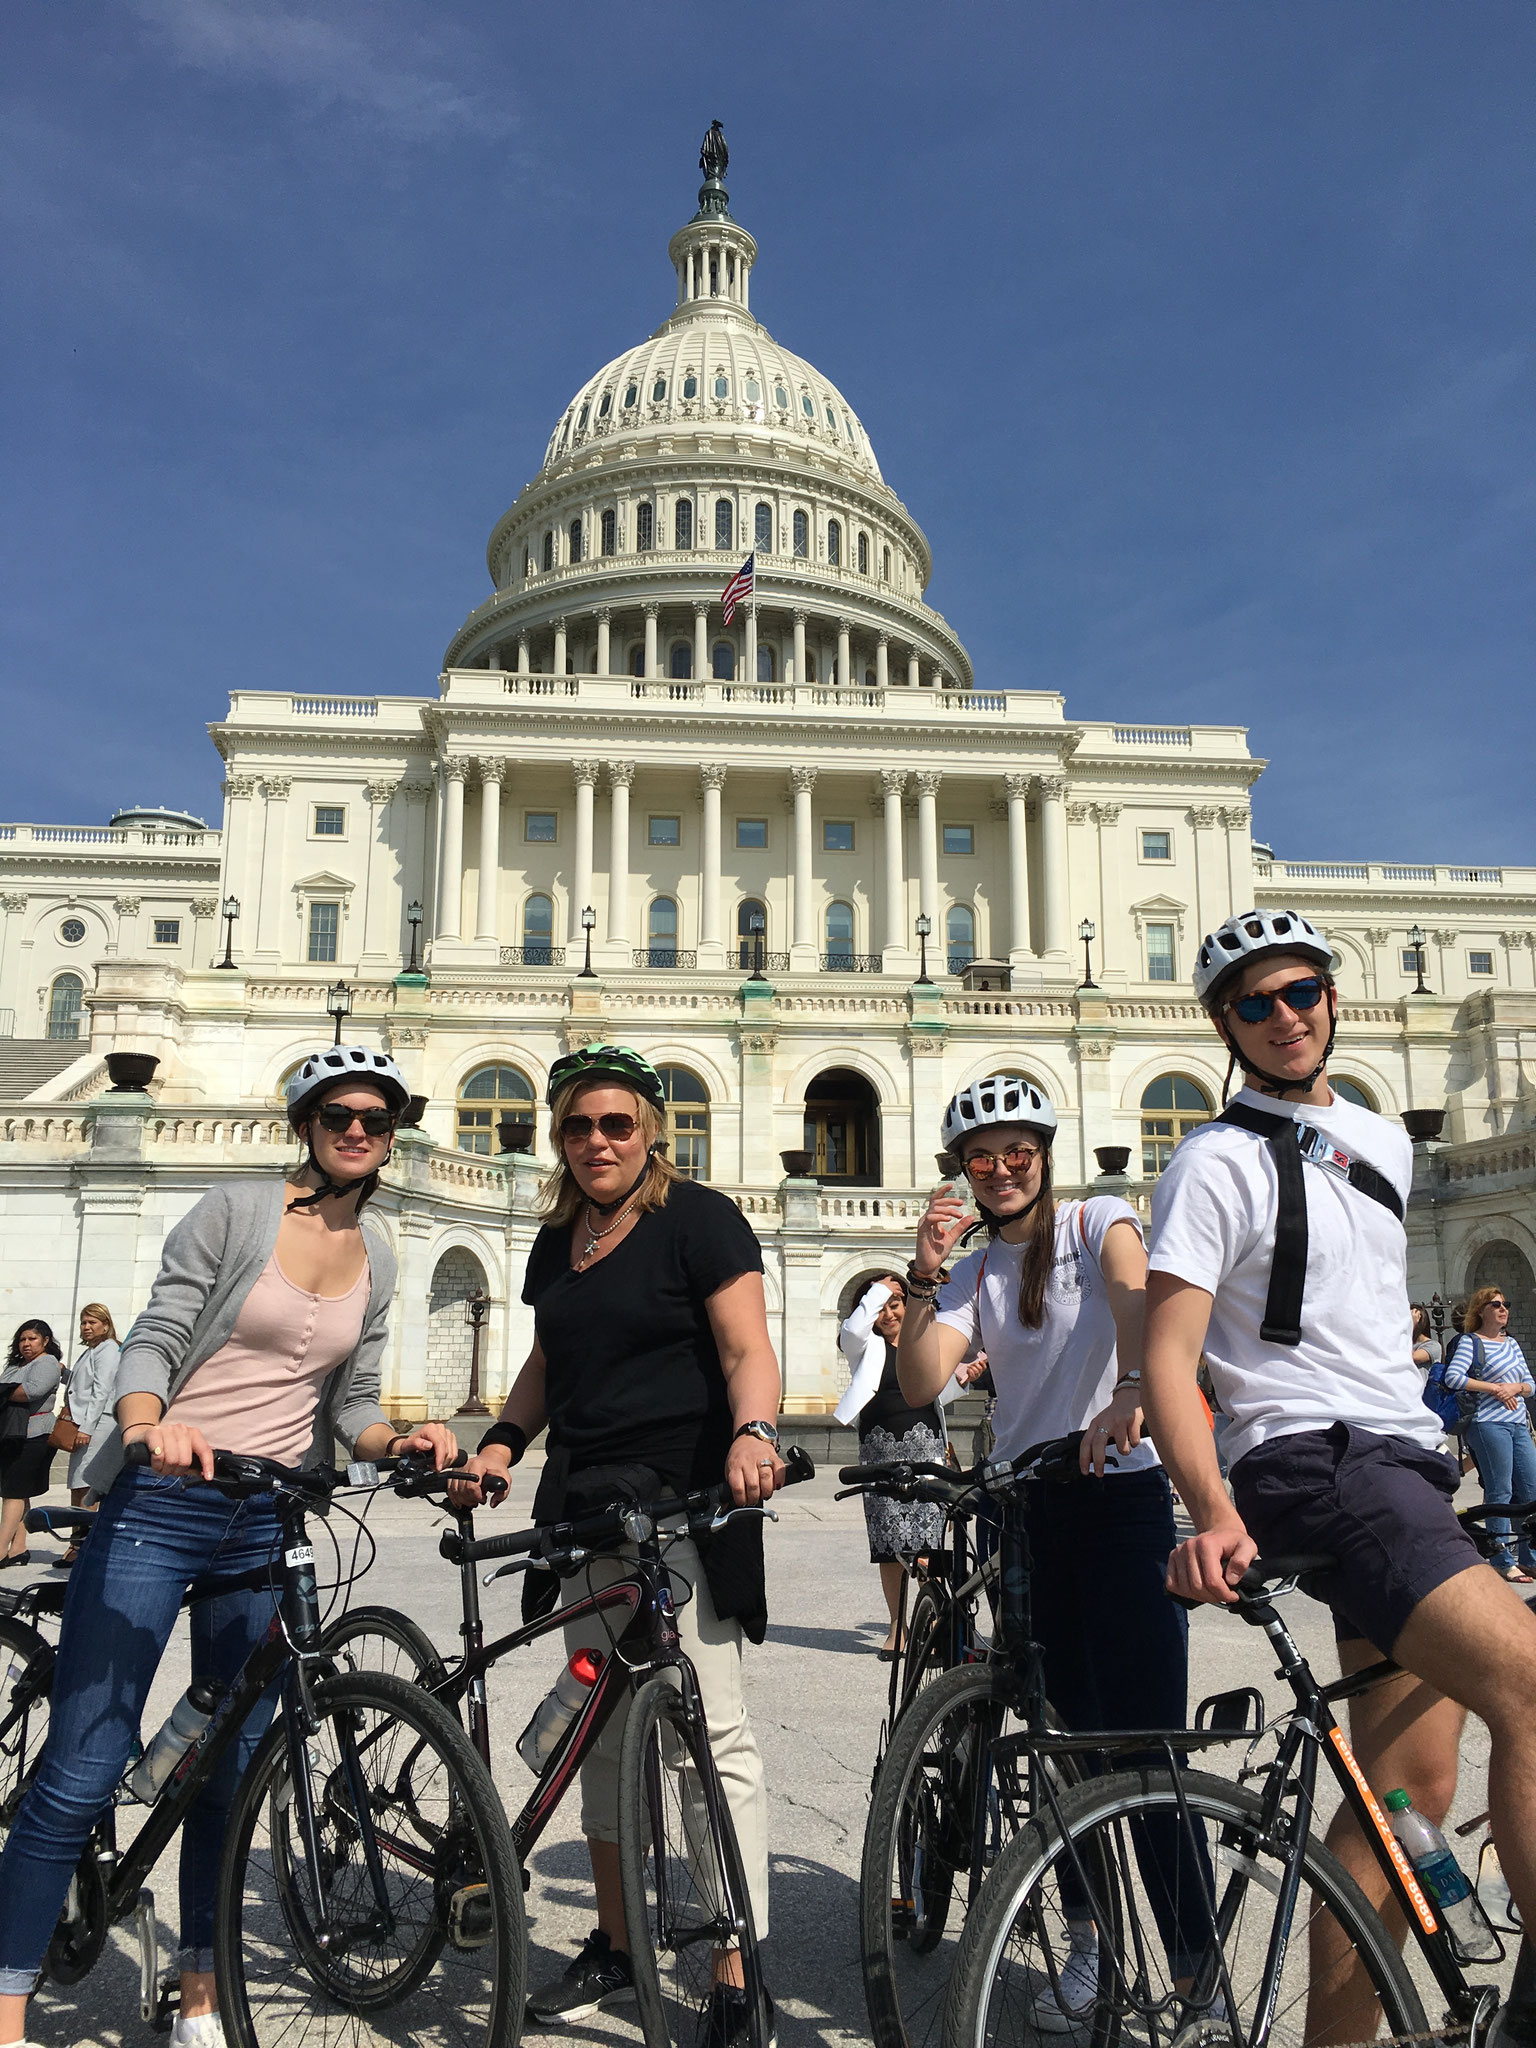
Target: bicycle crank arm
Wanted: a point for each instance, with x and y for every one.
(149, 1956)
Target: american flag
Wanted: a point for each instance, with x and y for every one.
(740, 586)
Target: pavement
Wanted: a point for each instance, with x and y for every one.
(816, 1694)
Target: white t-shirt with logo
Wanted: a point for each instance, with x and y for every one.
(1213, 1224)
(1056, 1378)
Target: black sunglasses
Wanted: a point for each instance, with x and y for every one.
(336, 1117)
(615, 1125)
(1296, 995)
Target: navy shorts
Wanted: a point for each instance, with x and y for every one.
(1379, 1504)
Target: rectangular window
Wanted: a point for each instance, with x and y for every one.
(330, 821)
(1480, 963)
(751, 831)
(1410, 961)
(665, 832)
(168, 932)
(539, 827)
(1157, 846)
(837, 835)
(324, 930)
(959, 839)
(1160, 952)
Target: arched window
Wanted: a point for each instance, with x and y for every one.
(631, 396)
(680, 661)
(802, 536)
(586, 414)
(781, 398)
(839, 934)
(725, 522)
(661, 931)
(687, 1131)
(842, 1127)
(762, 528)
(527, 565)
(808, 406)
(549, 550)
(1172, 1105)
(610, 532)
(863, 554)
(834, 542)
(831, 419)
(723, 662)
(960, 937)
(690, 386)
(64, 1006)
(767, 664)
(1350, 1091)
(658, 391)
(488, 1095)
(810, 667)
(751, 933)
(576, 547)
(682, 523)
(885, 565)
(606, 406)
(645, 527)
(753, 391)
(722, 385)
(637, 659)
(538, 931)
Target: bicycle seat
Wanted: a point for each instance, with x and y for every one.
(72, 1522)
(1268, 1571)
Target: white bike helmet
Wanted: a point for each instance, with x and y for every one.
(998, 1099)
(1249, 937)
(323, 1070)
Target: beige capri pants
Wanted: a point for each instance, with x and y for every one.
(714, 1646)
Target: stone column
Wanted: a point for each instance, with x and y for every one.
(488, 902)
(604, 615)
(620, 775)
(379, 941)
(889, 786)
(205, 933)
(415, 882)
(928, 780)
(914, 678)
(799, 647)
(650, 639)
(1238, 820)
(844, 655)
(701, 640)
(450, 882)
(1019, 948)
(751, 659)
(128, 941)
(711, 949)
(1111, 917)
(557, 662)
(1053, 853)
(269, 928)
(584, 775)
(882, 662)
(1211, 883)
(522, 654)
(239, 876)
(802, 781)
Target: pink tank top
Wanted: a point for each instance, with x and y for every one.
(258, 1393)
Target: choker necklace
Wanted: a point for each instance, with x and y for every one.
(595, 1237)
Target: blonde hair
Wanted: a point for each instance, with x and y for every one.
(1472, 1314)
(562, 1195)
(99, 1311)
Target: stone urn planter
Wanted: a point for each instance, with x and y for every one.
(1113, 1159)
(131, 1072)
(797, 1165)
(1423, 1124)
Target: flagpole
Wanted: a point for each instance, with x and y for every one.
(751, 675)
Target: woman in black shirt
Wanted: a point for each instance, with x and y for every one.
(651, 1349)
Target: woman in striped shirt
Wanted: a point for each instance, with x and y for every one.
(1499, 1432)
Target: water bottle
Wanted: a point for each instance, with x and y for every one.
(1436, 1868)
(188, 1718)
(558, 1709)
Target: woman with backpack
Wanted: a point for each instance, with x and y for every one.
(1487, 1361)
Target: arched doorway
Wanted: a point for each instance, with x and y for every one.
(1503, 1265)
(842, 1128)
(449, 1337)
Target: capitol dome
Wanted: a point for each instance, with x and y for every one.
(705, 443)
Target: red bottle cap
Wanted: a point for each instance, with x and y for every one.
(585, 1666)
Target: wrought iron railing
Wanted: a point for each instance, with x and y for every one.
(753, 962)
(664, 956)
(958, 962)
(533, 956)
(852, 963)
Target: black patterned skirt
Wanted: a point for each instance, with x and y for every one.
(901, 1530)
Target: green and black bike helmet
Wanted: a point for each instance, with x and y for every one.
(608, 1062)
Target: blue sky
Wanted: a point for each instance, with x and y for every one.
(1198, 337)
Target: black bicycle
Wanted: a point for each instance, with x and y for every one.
(685, 1894)
(367, 1889)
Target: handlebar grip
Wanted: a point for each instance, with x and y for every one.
(136, 1453)
(798, 1466)
(515, 1545)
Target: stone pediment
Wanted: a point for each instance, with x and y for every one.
(1158, 910)
(322, 883)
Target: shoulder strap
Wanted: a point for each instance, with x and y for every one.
(1288, 1268)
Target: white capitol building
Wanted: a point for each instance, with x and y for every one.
(749, 826)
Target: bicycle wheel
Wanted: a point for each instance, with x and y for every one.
(923, 1652)
(26, 1677)
(403, 1919)
(685, 1891)
(1164, 1909)
(943, 1807)
(379, 1639)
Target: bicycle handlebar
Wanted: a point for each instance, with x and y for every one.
(1054, 1459)
(243, 1472)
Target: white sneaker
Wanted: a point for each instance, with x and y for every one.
(1057, 2011)
(206, 2031)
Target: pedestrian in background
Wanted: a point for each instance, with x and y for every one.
(28, 1384)
(1486, 1361)
(89, 1394)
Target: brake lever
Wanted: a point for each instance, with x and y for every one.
(505, 1571)
(724, 1515)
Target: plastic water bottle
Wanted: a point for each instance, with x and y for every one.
(558, 1709)
(1448, 1885)
(188, 1718)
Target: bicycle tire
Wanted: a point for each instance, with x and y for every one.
(453, 1885)
(923, 1651)
(677, 1907)
(920, 1842)
(26, 1685)
(995, 1993)
(383, 1640)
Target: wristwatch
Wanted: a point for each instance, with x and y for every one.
(763, 1431)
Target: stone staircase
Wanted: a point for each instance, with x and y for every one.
(26, 1063)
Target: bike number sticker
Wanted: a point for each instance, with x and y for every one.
(301, 1553)
(1383, 1826)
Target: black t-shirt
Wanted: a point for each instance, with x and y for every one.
(888, 1408)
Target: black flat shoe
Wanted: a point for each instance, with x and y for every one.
(887, 1656)
(11, 1564)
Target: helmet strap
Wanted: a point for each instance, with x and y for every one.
(363, 1188)
(607, 1208)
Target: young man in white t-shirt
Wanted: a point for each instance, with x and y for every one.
(1332, 1449)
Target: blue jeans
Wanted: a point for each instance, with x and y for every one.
(1506, 1464)
(152, 1539)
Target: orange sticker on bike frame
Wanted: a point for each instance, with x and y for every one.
(1393, 1846)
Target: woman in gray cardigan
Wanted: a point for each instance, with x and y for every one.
(29, 1381)
(263, 1335)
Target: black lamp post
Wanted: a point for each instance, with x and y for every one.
(588, 920)
(757, 926)
(413, 919)
(1085, 932)
(924, 927)
(476, 1312)
(229, 910)
(1416, 940)
(338, 1004)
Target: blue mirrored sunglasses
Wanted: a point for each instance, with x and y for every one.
(1296, 995)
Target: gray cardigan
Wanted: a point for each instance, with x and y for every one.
(212, 1260)
(40, 1381)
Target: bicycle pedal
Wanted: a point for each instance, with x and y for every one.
(471, 1920)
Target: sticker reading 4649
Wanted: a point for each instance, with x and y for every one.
(301, 1553)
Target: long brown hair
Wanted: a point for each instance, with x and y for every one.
(1040, 1246)
(561, 1195)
